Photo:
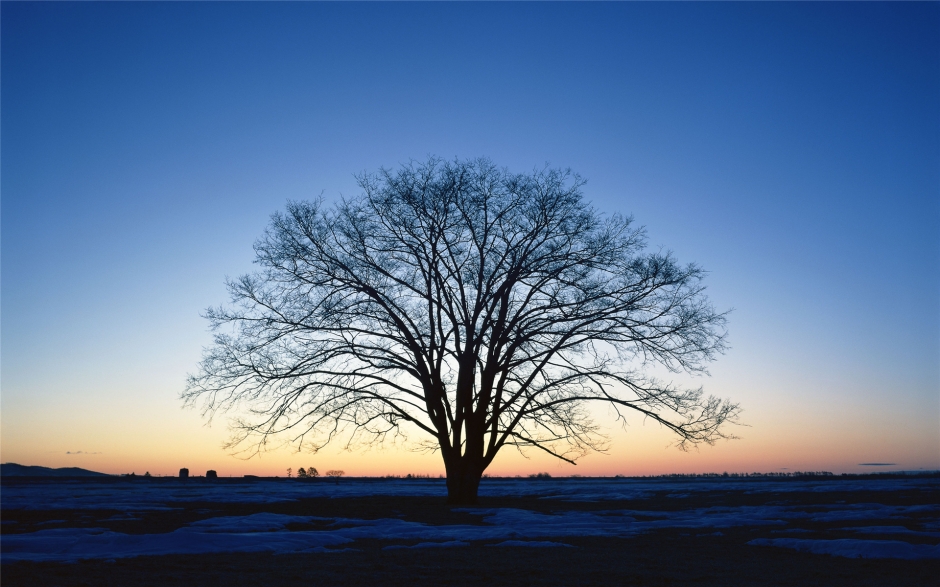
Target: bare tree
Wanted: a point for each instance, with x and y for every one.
(481, 307)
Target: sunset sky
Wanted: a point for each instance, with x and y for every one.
(792, 150)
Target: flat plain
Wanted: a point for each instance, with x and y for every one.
(866, 530)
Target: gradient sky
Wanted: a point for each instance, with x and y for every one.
(793, 150)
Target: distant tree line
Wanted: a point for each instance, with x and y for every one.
(733, 475)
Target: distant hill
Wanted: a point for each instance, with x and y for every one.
(14, 470)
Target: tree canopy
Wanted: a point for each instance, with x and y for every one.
(482, 307)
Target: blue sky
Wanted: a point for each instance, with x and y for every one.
(793, 150)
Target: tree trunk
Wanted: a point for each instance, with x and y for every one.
(463, 480)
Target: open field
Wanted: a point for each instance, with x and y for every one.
(745, 531)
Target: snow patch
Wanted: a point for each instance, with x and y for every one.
(852, 548)
(532, 543)
(253, 523)
(889, 530)
(449, 544)
(70, 544)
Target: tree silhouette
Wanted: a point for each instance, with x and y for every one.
(481, 307)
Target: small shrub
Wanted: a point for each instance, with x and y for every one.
(335, 473)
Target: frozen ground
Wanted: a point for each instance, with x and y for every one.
(817, 524)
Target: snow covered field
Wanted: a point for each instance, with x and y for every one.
(812, 516)
(121, 494)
